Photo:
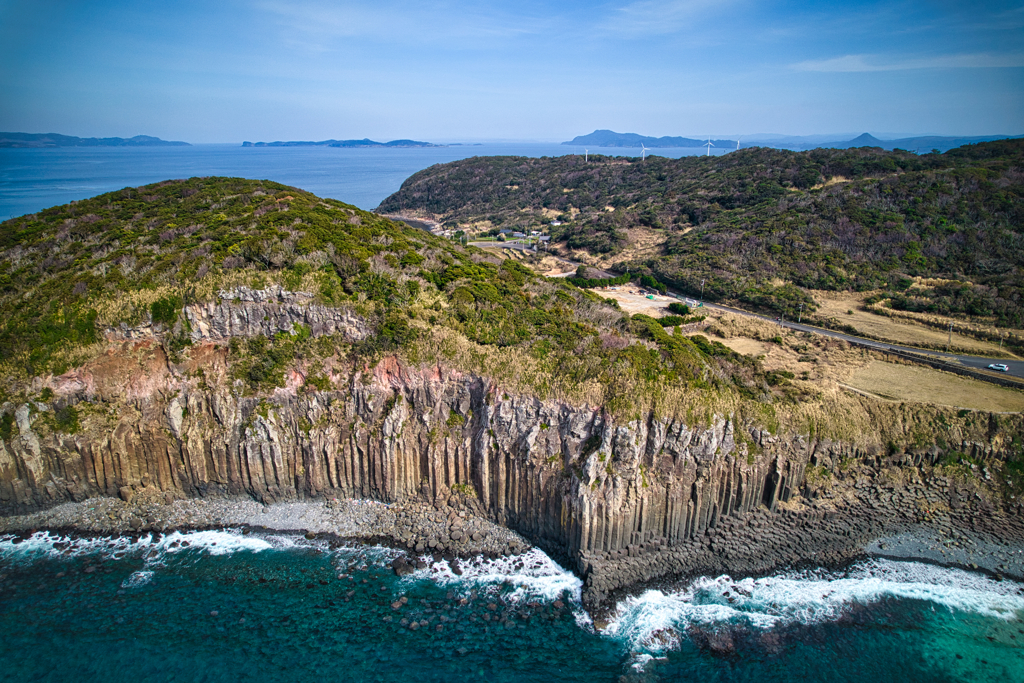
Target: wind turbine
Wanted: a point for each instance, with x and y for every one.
(737, 144)
(586, 155)
(643, 152)
(709, 145)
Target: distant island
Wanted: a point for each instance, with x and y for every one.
(365, 142)
(923, 143)
(609, 138)
(57, 140)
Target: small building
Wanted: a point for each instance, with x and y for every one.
(556, 222)
(545, 238)
(519, 234)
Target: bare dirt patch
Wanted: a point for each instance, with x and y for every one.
(552, 266)
(897, 382)
(632, 301)
(845, 308)
(641, 244)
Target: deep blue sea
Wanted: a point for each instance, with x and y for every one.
(225, 606)
(35, 179)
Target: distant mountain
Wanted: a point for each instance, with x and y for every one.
(609, 138)
(57, 140)
(365, 142)
(921, 144)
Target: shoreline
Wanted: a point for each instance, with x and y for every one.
(418, 528)
(457, 531)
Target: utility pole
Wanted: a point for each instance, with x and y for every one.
(950, 341)
(801, 315)
(702, 290)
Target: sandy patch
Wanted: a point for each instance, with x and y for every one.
(899, 382)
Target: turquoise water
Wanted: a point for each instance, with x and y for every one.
(234, 607)
(36, 179)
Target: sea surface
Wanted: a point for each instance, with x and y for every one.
(36, 179)
(230, 606)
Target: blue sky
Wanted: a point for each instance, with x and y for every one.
(227, 70)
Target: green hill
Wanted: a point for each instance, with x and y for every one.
(760, 225)
(134, 258)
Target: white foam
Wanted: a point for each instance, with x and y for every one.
(137, 579)
(540, 577)
(214, 542)
(654, 619)
(224, 542)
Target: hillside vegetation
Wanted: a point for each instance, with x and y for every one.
(759, 226)
(133, 258)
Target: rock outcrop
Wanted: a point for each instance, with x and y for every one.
(622, 501)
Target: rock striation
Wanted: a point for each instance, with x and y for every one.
(622, 501)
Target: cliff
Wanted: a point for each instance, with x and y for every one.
(623, 500)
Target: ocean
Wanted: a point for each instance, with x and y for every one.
(227, 605)
(35, 179)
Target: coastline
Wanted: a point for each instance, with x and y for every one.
(457, 530)
(419, 528)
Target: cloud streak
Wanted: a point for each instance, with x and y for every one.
(389, 21)
(659, 17)
(873, 63)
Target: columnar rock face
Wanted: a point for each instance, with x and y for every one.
(245, 312)
(576, 481)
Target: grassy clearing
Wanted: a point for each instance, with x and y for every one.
(899, 382)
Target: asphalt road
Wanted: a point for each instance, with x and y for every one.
(503, 245)
(1016, 367)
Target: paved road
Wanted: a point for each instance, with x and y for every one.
(1016, 367)
(502, 245)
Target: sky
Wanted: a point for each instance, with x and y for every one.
(230, 70)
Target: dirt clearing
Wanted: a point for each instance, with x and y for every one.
(633, 301)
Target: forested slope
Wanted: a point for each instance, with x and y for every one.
(759, 225)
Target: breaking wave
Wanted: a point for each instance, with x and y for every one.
(655, 621)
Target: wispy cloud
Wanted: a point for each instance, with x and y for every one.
(867, 63)
(319, 23)
(653, 17)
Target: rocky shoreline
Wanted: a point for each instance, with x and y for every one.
(454, 530)
(756, 545)
(936, 520)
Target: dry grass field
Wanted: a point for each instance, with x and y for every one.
(829, 363)
(839, 304)
(897, 382)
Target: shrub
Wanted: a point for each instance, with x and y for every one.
(66, 419)
(679, 308)
(165, 310)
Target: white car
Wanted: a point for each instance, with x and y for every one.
(1001, 367)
